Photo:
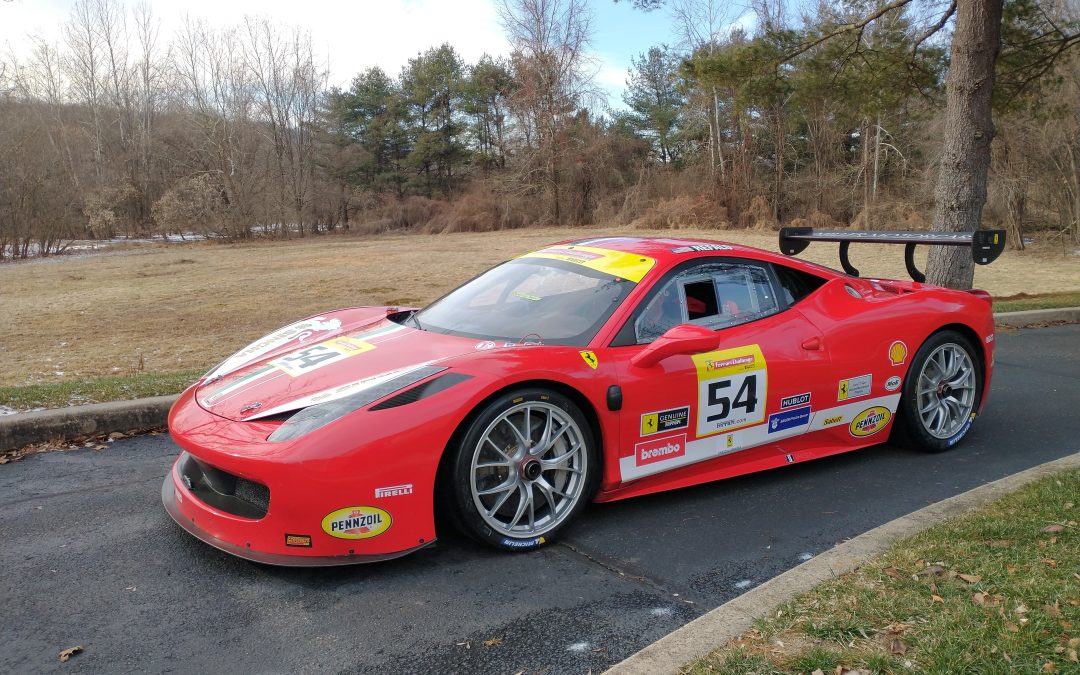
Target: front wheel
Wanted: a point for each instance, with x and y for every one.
(523, 469)
(942, 390)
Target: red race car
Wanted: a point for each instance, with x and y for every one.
(594, 370)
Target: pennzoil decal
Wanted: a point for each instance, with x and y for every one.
(357, 522)
(732, 386)
(870, 421)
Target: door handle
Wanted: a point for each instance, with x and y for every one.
(812, 344)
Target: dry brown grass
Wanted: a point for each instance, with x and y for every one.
(188, 306)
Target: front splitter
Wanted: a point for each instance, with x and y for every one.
(168, 498)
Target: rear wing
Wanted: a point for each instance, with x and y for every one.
(986, 245)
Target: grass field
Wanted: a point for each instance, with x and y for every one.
(997, 591)
(182, 308)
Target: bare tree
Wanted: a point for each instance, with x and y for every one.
(550, 38)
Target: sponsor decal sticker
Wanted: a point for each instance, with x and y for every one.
(870, 421)
(393, 491)
(732, 389)
(792, 401)
(522, 543)
(316, 356)
(730, 441)
(484, 346)
(789, 419)
(989, 338)
(299, 331)
(301, 540)
(665, 420)
(829, 421)
(629, 266)
(660, 449)
(854, 387)
(589, 358)
(700, 248)
(357, 522)
(897, 353)
(893, 383)
(789, 458)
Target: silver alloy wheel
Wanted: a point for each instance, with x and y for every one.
(528, 470)
(946, 390)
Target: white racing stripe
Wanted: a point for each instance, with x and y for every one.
(721, 444)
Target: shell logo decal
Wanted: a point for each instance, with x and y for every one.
(898, 353)
(870, 421)
(357, 522)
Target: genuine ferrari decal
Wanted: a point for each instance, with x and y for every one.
(357, 522)
(898, 353)
(870, 421)
(798, 418)
(323, 354)
(893, 383)
(732, 385)
(854, 387)
(629, 266)
(301, 540)
(589, 358)
(665, 420)
(792, 401)
(671, 447)
(299, 331)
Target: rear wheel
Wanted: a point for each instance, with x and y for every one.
(942, 391)
(523, 469)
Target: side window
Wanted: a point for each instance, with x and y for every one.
(796, 284)
(713, 295)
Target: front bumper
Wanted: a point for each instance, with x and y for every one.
(169, 497)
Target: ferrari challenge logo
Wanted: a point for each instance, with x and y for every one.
(357, 522)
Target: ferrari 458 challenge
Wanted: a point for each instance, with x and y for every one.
(591, 370)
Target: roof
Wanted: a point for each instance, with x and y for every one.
(656, 247)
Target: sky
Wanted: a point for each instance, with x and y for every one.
(357, 34)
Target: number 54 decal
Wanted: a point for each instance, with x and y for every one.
(732, 386)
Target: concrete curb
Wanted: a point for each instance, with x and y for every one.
(24, 429)
(732, 619)
(1034, 316)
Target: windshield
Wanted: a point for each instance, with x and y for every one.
(528, 300)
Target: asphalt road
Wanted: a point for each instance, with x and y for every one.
(88, 557)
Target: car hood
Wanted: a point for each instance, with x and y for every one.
(320, 359)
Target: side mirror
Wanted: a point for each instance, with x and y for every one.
(681, 339)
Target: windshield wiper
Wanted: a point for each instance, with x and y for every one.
(415, 321)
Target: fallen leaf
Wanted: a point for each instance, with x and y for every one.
(1000, 543)
(897, 646)
(1056, 527)
(1050, 562)
(1011, 569)
(1012, 627)
(818, 671)
(931, 571)
(493, 642)
(1053, 610)
(1049, 667)
(936, 598)
(1021, 609)
(66, 654)
(980, 598)
(893, 572)
(1072, 656)
(116, 435)
(970, 578)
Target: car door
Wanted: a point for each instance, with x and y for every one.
(756, 388)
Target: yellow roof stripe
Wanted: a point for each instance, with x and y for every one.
(629, 266)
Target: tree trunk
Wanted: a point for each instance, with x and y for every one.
(969, 129)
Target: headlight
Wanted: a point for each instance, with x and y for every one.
(313, 417)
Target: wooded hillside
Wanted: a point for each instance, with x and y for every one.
(831, 116)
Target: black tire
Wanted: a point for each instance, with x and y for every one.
(915, 429)
(531, 471)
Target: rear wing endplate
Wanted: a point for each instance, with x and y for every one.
(986, 245)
